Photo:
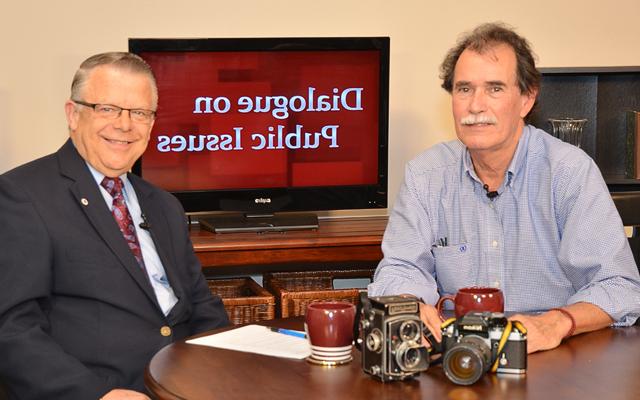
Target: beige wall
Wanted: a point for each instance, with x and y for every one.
(43, 43)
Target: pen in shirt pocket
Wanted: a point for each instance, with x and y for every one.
(442, 242)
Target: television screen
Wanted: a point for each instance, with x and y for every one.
(271, 124)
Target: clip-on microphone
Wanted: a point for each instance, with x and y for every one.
(493, 194)
(144, 224)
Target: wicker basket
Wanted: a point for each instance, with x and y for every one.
(244, 300)
(295, 290)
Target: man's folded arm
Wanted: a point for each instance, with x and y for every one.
(408, 265)
(594, 251)
(396, 279)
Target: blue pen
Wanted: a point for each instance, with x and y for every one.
(289, 332)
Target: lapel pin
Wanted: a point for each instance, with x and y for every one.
(84, 201)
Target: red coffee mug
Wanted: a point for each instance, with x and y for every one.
(474, 299)
(330, 324)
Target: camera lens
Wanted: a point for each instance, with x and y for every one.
(411, 357)
(409, 330)
(466, 361)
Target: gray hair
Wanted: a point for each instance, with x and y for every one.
(122, 60)
(485, 37)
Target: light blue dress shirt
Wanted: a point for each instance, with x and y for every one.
(157, 276)
(552, 237)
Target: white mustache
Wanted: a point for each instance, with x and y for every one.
(478, 119)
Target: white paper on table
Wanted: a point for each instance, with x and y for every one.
(257, 339)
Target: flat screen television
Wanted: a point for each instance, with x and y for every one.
(259, 127)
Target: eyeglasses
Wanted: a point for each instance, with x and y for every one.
(109, 111)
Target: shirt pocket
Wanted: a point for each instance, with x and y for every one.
(454, 267)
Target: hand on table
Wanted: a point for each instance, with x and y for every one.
(117, 394)
(544, 331)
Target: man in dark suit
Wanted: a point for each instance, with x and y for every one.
(97, 269)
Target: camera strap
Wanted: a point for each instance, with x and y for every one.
(501, 343)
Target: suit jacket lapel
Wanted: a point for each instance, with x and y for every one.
(160, 233)
(87, 194)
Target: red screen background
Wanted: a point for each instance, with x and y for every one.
(184, 76)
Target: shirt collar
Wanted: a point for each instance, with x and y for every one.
(518, 161)
(99, 176)
(467, 164)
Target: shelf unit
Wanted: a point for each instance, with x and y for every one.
(602, 95)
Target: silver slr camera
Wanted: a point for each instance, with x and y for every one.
(478, 342)
(390, 337)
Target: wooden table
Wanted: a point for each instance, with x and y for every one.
(598, 365)
(346, 240)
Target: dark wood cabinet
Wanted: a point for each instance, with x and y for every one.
(344, 242)
(602, 96)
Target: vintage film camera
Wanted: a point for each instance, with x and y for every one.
(388, 331)
(477, 342)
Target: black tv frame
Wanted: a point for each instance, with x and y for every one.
(309, 199)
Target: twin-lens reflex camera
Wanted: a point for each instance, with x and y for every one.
(391, 337)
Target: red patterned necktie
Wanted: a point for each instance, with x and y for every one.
(123, 218)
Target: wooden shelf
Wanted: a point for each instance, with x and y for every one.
(348, 240)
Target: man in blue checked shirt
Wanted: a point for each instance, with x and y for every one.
(509, 206)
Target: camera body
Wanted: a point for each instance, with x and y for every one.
(392, 338)
(471, 346)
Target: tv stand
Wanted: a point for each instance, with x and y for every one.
(337, 243)
(233, 223)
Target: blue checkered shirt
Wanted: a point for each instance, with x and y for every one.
(552, 237)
